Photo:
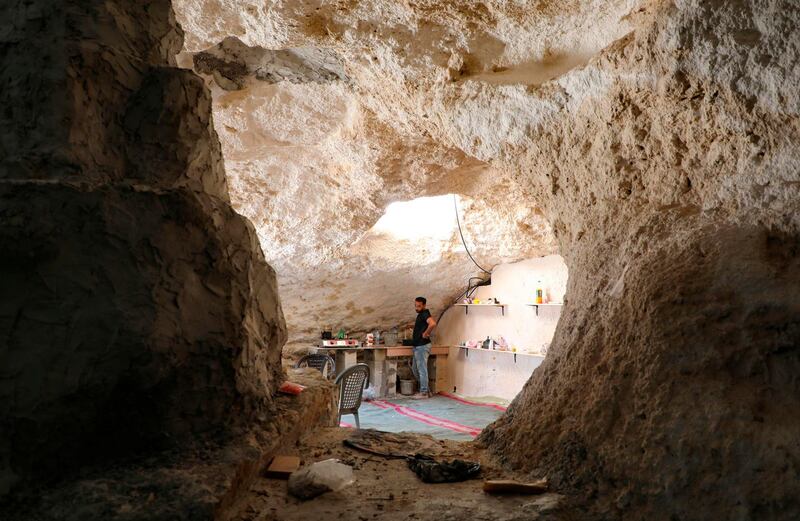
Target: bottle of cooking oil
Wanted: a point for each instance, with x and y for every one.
(539, 292)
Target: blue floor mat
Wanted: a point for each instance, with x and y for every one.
(439, 416)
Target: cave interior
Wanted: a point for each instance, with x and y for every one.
(195, 193)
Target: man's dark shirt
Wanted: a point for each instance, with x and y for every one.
(420, 326)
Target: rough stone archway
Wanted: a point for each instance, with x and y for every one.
(659, 140)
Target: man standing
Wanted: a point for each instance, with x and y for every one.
(422, 346)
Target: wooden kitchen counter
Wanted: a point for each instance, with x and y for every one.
(382, 362)
(407, 350)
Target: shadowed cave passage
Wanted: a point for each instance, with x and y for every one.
(180, 182)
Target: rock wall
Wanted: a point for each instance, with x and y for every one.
(675, 200)
(136, 309)
(659, 139)
(314, 168)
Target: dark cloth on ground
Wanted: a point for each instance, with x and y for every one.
(431, 471)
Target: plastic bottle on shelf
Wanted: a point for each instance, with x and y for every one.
(502, 343)
(539, 292)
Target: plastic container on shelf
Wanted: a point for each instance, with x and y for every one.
(390, 338)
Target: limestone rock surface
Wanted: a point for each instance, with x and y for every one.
(320, 477)
(314, 167)
(136, 309)
(659, 141)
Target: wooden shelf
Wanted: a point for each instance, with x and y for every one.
(515, 353)
(553, 304)
(467, 306)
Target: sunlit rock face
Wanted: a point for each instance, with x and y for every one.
(136, 309)
(659, 140)
(314, 168)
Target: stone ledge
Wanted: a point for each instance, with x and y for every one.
(203, 482)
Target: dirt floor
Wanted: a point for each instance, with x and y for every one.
(388, 489)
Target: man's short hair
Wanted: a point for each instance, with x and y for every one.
(421, 299)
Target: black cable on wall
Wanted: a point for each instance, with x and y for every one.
(458, 220)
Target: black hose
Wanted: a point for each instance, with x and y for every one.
(470, 289)
(464, 242)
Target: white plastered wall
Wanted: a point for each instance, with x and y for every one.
(494, 373)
